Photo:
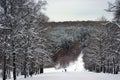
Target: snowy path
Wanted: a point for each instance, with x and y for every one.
(73, 76)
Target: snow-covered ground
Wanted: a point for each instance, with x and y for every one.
(74, 72)
(82, 75)
(76, 66)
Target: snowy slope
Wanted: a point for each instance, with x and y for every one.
(82, 75)
(76, 66)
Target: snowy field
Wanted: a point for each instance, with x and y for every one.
(74, 72)
(82, 75)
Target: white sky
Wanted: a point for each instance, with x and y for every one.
(73, 10)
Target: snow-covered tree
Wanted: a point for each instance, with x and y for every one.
(113, 48)
(94, 53)
(115, 8)
(22, 17)
(102, 53)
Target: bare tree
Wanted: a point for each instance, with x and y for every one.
(102, 19)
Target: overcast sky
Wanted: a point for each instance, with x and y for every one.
(73, 10)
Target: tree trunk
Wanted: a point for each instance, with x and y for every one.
(4, 67)
(24, 72)
(41, 69)
(14, 67)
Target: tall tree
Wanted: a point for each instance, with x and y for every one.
(21, 17)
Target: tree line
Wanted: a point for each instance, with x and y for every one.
(103, 51)
(24, 46)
